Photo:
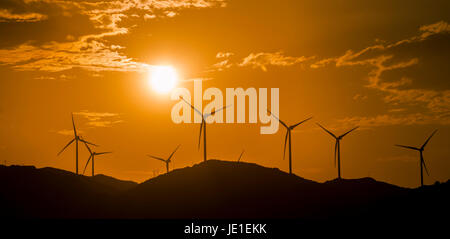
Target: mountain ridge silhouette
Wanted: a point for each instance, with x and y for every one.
(210, 190)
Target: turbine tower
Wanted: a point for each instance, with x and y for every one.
(288, 135)
(92, 156)
(337, 147)
(203, 126)
(76, 139)
(168, 160)
(422, 162)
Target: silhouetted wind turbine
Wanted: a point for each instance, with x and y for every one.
(422, 162)
(92, 156)
(168, 160)
(288, 135)
(337, 147)
(203, 125)
(76, 139)
(240, 156)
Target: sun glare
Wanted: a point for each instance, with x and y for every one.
(163, 78)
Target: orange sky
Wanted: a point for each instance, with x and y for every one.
(381, 65)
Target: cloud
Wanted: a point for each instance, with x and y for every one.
(224, 54)
(67, 132)
(170, 13)
(102, 12)
(367, 122)
(351, 58)
(92, 52)
(104, 123)
(264, 59)
(397, 110)
(359, 97)
(435, 28)
(222, 65)
(7, 16)
(257, 60)
(149, 16)
(92, 116)
(100, 119)
(94, 120)
(61, 77)
(382, 59)
(88, 53)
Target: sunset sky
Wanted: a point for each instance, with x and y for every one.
(381, 65)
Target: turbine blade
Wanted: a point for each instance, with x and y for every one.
(200, 134)
(86, 142)
(425, 166)
(67, 145)
(174, 151)
(158, 158)
(74, 128)
(89, 159)
(102, 153)
(334, 136)
(195, 109)
(215, 111)
(87, 146)
(285, 141)
(301, 122)
(285, 125)
(408, 147)
(348, 132)
(240, 156)
(426, 142)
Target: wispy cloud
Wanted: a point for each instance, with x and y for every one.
(359, 97)
(220, 55)
(92, 52)
(61, 77)
(264, 59)
(7, 16)
(222, 65)
(259, 60)
(67, 132)
(367, 122)
(100, 119)
(381, 60)
(86, 53)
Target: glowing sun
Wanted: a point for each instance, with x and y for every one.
(163, 78)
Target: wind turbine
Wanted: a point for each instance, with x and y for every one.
(422, 162)
(337, 147)
(288, 135)
(167, 161)
(76, 139)
(203, 126)
(240, 156)
(92, 156)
